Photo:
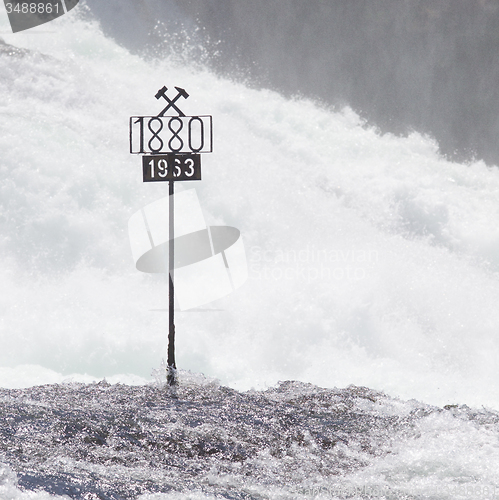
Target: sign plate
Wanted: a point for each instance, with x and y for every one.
(171, 134)
(171, 167)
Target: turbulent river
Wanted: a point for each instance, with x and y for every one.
(372, 289)
(204, 440)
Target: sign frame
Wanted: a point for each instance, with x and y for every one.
(159, 135)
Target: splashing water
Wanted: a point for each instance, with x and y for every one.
(371, 259)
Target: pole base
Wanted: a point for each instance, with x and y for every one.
(171, 376)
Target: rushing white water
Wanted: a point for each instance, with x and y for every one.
(372, 260)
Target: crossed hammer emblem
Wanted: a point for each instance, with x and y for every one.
(171, 102)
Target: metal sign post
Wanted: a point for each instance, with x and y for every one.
(171, 376)
(171, 146)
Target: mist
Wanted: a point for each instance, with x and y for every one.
(403, 65)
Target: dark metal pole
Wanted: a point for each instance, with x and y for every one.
(172, 369)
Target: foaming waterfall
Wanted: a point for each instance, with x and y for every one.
(405, 66)
(372, 260)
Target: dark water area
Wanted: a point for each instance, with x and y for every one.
(430, 66)
(119, 442)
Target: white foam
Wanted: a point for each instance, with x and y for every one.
(371, 259)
